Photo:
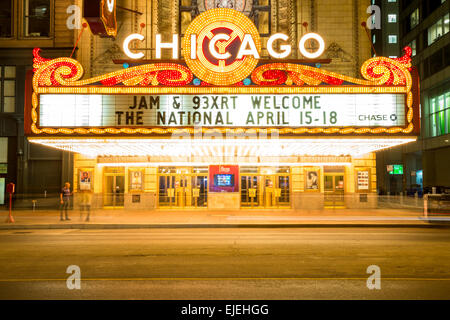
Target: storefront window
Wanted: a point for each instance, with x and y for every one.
(8, 88)
(440, 114)
(36, 18)
(6, 19)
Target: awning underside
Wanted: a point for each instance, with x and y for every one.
(237, 148)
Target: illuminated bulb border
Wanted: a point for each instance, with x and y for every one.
(62, 76)
(243, 148)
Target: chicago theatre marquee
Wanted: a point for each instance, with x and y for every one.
(223, 128)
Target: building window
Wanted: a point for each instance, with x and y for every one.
(392, 0)
(6, 19)
(8, 89)
(413, 46)
(36, 21)
(3, 166)
(392, 38)
(437, 30)
(440, 114)
(392, 18)
(3, 150)
(414, 19)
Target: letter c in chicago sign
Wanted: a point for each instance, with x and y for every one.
(222, 52)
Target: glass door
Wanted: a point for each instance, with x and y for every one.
(180, 187)
(270, 188)
(249, 191)
(269, 185)
(182, 191)
(166, 190)
(276, 192)
(114, 190)
(172, 191)
(199, 190)
(334, 190)
(283, 184)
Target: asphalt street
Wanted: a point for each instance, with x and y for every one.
(305, 263)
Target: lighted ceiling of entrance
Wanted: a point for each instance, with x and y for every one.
(94, 147)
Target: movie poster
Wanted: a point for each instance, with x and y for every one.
(312, 180)
(85, 180)
(136, 182)
(363, 180)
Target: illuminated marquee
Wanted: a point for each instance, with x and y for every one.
(243, 110)
(384, 101)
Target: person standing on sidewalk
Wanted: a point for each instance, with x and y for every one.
(65, 200)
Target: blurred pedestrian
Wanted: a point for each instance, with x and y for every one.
(86, 199)
(65, 200)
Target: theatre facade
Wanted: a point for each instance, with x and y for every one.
(223, 128)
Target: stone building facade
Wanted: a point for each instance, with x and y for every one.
(338, 22)
(38, 172)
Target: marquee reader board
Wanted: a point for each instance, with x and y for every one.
(222, 110)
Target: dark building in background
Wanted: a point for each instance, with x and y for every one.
(24, 25)
(386, 40)
(424, 26)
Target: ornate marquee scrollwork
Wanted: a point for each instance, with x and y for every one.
(377, 71)
(68, 72)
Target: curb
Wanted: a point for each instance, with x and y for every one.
(219, 226)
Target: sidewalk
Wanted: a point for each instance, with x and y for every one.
(202, 218)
